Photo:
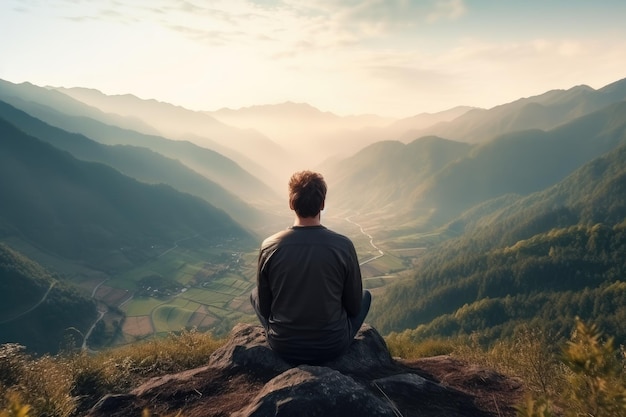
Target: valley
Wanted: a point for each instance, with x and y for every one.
(474, 224)
(184, 287)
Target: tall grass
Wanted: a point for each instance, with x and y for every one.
(69, 383)
(585, 376)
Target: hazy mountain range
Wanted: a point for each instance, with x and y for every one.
(107, 181)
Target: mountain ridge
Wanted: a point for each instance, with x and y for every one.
(71, 223)
(138, 162)
(207, 162)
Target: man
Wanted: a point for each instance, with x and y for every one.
(309, 295)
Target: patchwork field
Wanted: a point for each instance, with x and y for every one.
(207, 287)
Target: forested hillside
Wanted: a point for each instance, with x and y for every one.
(91, 213)
(36, 309)
(432, 181)
(385, 173)
(545, 259)
(70, 115)
(144, 164)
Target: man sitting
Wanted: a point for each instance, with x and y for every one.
(309, 295)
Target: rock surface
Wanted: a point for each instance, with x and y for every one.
(245, 378)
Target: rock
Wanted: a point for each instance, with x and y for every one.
(433, 398)
(248, 349)
(110, 403)
(245, 378)
(315, 391)
(368, 355)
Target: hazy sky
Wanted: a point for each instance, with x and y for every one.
(393, 58)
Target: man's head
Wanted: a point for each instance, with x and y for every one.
(307, 193)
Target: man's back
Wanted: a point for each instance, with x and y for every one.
(309, 281)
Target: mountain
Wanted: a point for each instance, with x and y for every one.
(253, 151)
(141, 163)
(36, 309)
(305, 129)
(28, 93)
(403, 128)
(89, 212)
(384, 173)
(521, 163)
(76, 117)
(546, 111)
(541, 259)
(425, 195)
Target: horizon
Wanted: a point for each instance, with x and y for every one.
(392, 59)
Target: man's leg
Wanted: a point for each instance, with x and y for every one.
(357, 321)
(254, 300)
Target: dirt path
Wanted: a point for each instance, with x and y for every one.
(380, 252)
(33, 307)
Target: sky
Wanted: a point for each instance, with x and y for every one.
(393, 58)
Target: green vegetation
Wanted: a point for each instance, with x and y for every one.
(69, 383)
(90, 221)
(542, 259)
(145, 160)
(36, 309)
(92, 213)
(584, 376)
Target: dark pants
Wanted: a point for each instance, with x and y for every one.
(355, 322)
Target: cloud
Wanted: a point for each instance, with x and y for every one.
(447, 10)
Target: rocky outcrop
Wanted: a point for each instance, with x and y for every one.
(245, 378)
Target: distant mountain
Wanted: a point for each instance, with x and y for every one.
(546, 111)
(91, 213)
(322, 135)
(593, 194)
(385, 173)
(253, 151)
(520, 163)
(421, 194)
(293, 113)
(74, 116)
(404, 129)
(144, 164)
(539, 260)
(308, 133)
(30, 93)
(37, 310)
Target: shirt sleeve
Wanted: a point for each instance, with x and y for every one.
(263, 286)
(353, 288)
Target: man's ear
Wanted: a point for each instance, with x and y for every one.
(322, 208)
(290, 205)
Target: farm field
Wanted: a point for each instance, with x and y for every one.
(207, 287)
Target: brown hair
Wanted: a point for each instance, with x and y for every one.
(307, 192)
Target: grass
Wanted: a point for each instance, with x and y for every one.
(68, 384)
(585, 376)
(141, 306)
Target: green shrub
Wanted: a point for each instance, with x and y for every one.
(595, 378)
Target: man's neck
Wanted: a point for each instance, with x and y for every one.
(308, 221)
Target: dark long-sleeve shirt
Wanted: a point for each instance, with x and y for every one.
(309, 282)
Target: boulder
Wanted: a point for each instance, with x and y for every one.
(315, 391)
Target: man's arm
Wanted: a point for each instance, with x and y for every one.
(353, 288)
(263, 286)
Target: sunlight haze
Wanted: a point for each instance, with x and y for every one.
(391, 58)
